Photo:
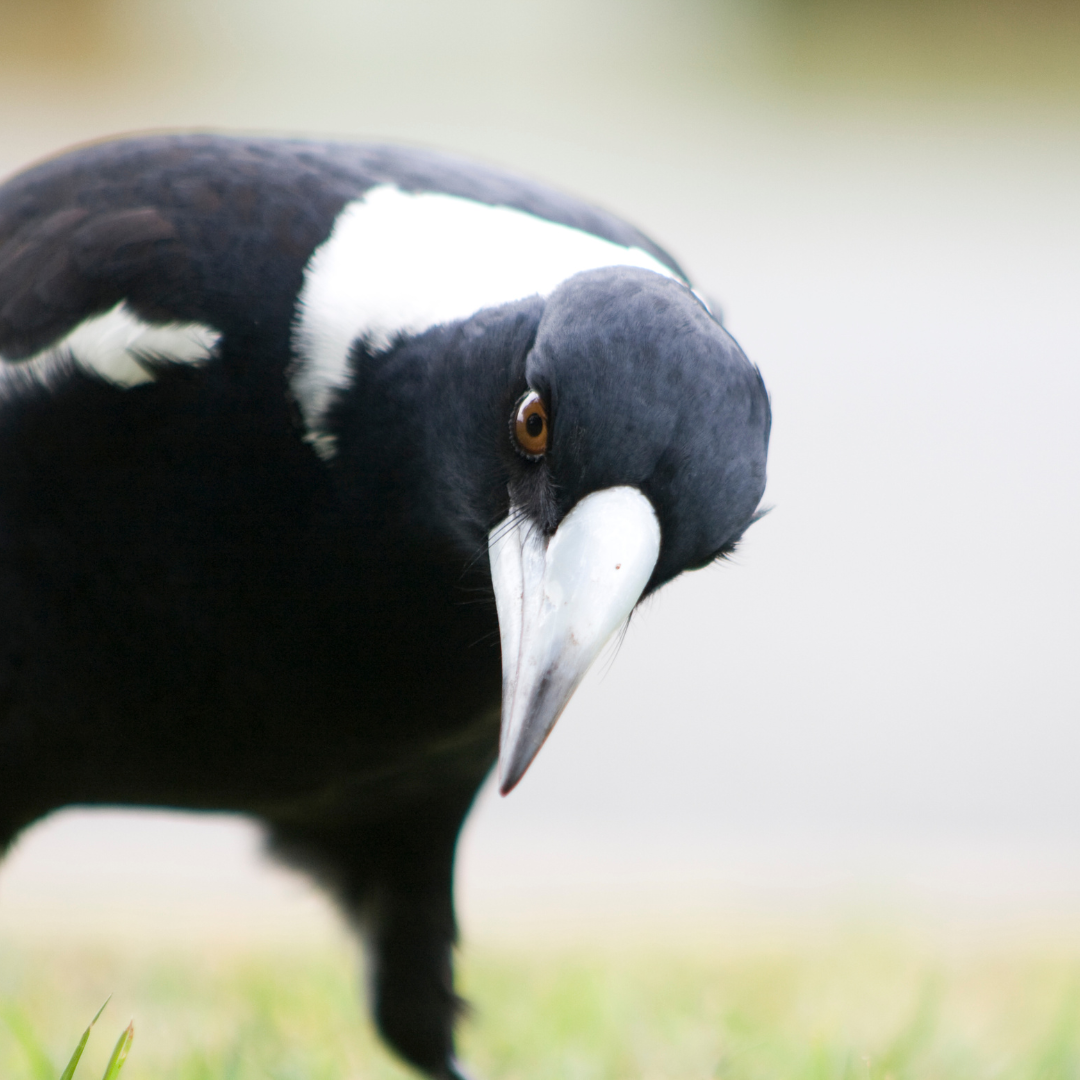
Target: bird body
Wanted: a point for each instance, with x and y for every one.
(291, 434)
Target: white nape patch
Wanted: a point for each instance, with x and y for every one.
(113, 346)
(400, 263)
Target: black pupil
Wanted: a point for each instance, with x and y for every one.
(534, 425)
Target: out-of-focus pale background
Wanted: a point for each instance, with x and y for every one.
(876, 705)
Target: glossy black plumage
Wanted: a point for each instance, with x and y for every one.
(200, 611)
(212, 229)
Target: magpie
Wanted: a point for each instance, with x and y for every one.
(326, 471)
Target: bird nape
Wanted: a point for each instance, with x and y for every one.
(297, 439)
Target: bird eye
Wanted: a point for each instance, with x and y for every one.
(530, 426)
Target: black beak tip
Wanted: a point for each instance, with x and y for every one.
(510, 781)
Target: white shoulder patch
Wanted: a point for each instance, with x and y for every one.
(400, 263)
(112, 345)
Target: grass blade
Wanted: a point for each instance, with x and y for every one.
(120, 1053)
(69, 1072)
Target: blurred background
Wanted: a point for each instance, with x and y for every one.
(875, 706)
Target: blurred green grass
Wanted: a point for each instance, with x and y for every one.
(859, 1006)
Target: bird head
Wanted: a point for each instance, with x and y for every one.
(598, 441)
(639, 432)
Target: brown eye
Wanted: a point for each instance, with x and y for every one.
(530, 426)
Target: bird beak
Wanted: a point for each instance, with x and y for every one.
(559, 599)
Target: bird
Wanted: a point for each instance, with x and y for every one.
(327, 469)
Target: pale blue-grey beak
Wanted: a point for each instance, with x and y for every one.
(559, 599)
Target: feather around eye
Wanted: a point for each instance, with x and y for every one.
(529, 427)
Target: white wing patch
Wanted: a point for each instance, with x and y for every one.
(112, 346)
(400, 263)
